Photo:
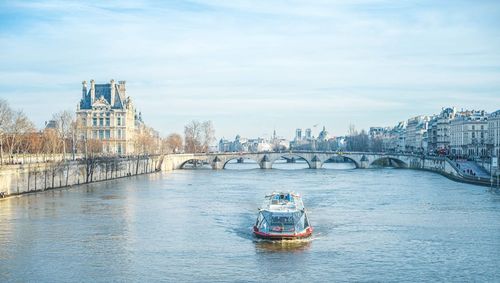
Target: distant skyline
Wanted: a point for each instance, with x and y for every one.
(255, 66)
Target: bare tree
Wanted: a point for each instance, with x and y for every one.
(19, 126)
(93, 148)
(34, 143)
(5, 121)
(173, 143)
(51, 142)
(208, 134)
(193, 136)
(357, 141)
(65, 122)
(146, 141)
(198, 136)
(377, 144)
(352, 130)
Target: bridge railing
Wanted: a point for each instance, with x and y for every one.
(304, 151)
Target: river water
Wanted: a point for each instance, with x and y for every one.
(196, 225)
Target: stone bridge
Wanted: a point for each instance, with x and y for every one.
(315, 159)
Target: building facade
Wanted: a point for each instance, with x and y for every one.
(494, 135)
(252, 145)
(469, 134)
(438, 133)
(416, 130)
(107, 115)
(393, 139)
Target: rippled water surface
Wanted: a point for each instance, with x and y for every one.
(195, 225)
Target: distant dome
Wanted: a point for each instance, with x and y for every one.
(323, 135)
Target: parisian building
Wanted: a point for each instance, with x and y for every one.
(438, 133)
(416, 133)
(105, 113)
(469, 134)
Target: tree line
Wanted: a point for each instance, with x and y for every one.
(360, 141)
(18, 135)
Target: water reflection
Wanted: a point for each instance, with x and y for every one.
(288, 246)
(243, 164)
(339, 165)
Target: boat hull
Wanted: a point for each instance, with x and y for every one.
(278, 236)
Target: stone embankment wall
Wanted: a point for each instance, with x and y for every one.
(32, 177)
(447, 168)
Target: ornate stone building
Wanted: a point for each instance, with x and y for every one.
(105, 113)
(469, 134)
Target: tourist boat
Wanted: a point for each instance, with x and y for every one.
(282, 217)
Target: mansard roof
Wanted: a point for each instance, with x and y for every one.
(495, 114)
(104, 91)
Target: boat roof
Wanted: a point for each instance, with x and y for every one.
(283, 202)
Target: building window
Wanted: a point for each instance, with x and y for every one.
(94, 122)
(119, 132)
(101, 122)
(107, 122)
(119, 121)
(101, 134)
(108, 134)
(94, 134)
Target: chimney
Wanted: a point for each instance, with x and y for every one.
(92, 91)
(112, 98)
(84, 89)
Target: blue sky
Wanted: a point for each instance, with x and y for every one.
(252, 66)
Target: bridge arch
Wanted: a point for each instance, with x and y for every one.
(356, 162)
(293, 155)
(345, 158)
(238, 157)
(203, 160)
(390, 160)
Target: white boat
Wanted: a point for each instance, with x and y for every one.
(282, 217)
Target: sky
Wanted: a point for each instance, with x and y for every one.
(255, 66)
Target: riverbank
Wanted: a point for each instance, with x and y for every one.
(38, 177)
(449, 169)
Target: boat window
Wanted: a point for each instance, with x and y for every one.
(259, 219)
(282, 220)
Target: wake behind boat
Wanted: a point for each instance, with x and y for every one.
(282, 217)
